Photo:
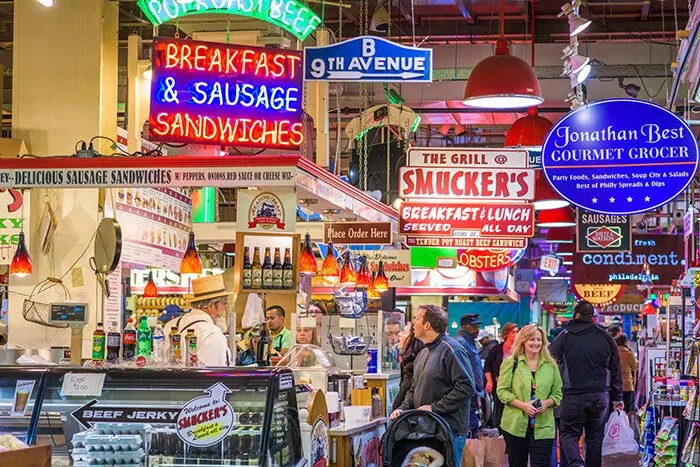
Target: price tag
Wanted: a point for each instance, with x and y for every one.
(307, 322)
(346, 323)
(82, 384)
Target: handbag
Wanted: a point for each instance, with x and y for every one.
(484, 452)
(350, 305)
(619, 435)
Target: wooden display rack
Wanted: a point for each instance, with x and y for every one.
(32, 456)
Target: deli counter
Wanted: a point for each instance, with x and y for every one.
(89, 416)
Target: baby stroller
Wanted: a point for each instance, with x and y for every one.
(417, 429)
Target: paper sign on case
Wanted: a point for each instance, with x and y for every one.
(82, 384)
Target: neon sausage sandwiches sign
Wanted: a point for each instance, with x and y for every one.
(229, 95)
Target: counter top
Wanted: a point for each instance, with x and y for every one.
(345, 430)
(391, 374)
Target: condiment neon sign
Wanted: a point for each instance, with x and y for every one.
(229, 95)
(290, 15)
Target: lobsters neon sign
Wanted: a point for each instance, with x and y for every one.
(229, 95)
(290, 15)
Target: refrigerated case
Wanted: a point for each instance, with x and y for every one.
(157, 417)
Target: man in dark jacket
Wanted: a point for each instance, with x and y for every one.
(442, 376)
(590, 368)
(466, 336)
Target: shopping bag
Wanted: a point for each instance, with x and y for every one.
(253, 314)
(484, 452)
(619, 435)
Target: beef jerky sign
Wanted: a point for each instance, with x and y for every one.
(602, 232)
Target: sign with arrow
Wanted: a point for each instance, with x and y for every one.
(206, 420)
(368, 58)
(91, 413)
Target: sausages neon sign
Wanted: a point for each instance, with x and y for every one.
(229, 95)
(290, 15)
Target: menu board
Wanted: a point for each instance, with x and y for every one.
(155, 225)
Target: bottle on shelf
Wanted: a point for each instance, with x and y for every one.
(186, 347)
(257, 269)
(192, 351)
(114, 343)
(247, 279)
(262, 353)
(158, 344)
(287, 270)
(376, 404)
(267, 271)
(143, 338)
(175, 356)
(277, 273)
(98, 343)
(129, 341)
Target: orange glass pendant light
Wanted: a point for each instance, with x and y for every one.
(371, 291)
(191, 262)
(364, 275)
(150, 291)
(381, 283)
(348, 276)
(307, 259)
(330, 269)
(21, 265)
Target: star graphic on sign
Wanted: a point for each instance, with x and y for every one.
(612, 200)
(629, 199)
(647, 199)
(595, 200)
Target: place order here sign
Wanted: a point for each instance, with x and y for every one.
(470, 198)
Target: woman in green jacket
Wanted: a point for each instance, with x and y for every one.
(530, 387)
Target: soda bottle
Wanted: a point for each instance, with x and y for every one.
(129, 341)
(186, 347)
(175, 347)
(114, 340)
(144, 338)
(192, 351)
(247, 269)
(262, 352)
(98, 343)
(158, 343)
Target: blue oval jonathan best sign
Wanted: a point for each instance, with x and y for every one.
(620, 156)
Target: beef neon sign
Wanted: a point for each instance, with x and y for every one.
(290, 15)
(229, 95)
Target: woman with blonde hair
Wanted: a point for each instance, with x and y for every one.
(530, 387)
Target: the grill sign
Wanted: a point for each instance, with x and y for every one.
(476, 184)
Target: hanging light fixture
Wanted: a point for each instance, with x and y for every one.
(380, 282)
(528, 132)
(191, 262)
(560, 217)
(150, 291)
(502, 81)
(21, 265)
(577, 24)
(380, 20)
(330, 270)
(348, 276)
(307, 259)
(545, 196)
(371, 291)
(561, 235)
(364, 275)
(576, 66)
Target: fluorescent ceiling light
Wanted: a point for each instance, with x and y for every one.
(46, 3)
(504, 102)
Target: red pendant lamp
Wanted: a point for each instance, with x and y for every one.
(560, 217)
(545, 196)
(364, 275)
(561, 235)
(330, 270)
(528, 132)
(21, 265)
(307, 259)
(502, 81)
(348, 276)
(191, 262)
(381, 283)
(150, 291)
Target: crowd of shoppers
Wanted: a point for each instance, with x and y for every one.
(586, 372)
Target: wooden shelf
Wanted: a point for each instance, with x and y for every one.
(238, 264)
(32, 456)
(271, 291)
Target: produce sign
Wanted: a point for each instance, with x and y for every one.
(488, 260)
(461, 183)
(468, 157)
(230, 95)
(206, 420)
(599, 294)
(620, 156)
(602, 232)
(662, 253)
(466, 220)
(467, 242)
(290, 15)
(368, 58)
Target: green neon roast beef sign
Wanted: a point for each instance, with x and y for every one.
(290, 15)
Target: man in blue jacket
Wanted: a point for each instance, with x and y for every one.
(466, 336)
(442, 376)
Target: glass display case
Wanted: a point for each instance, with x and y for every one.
(156, 417)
